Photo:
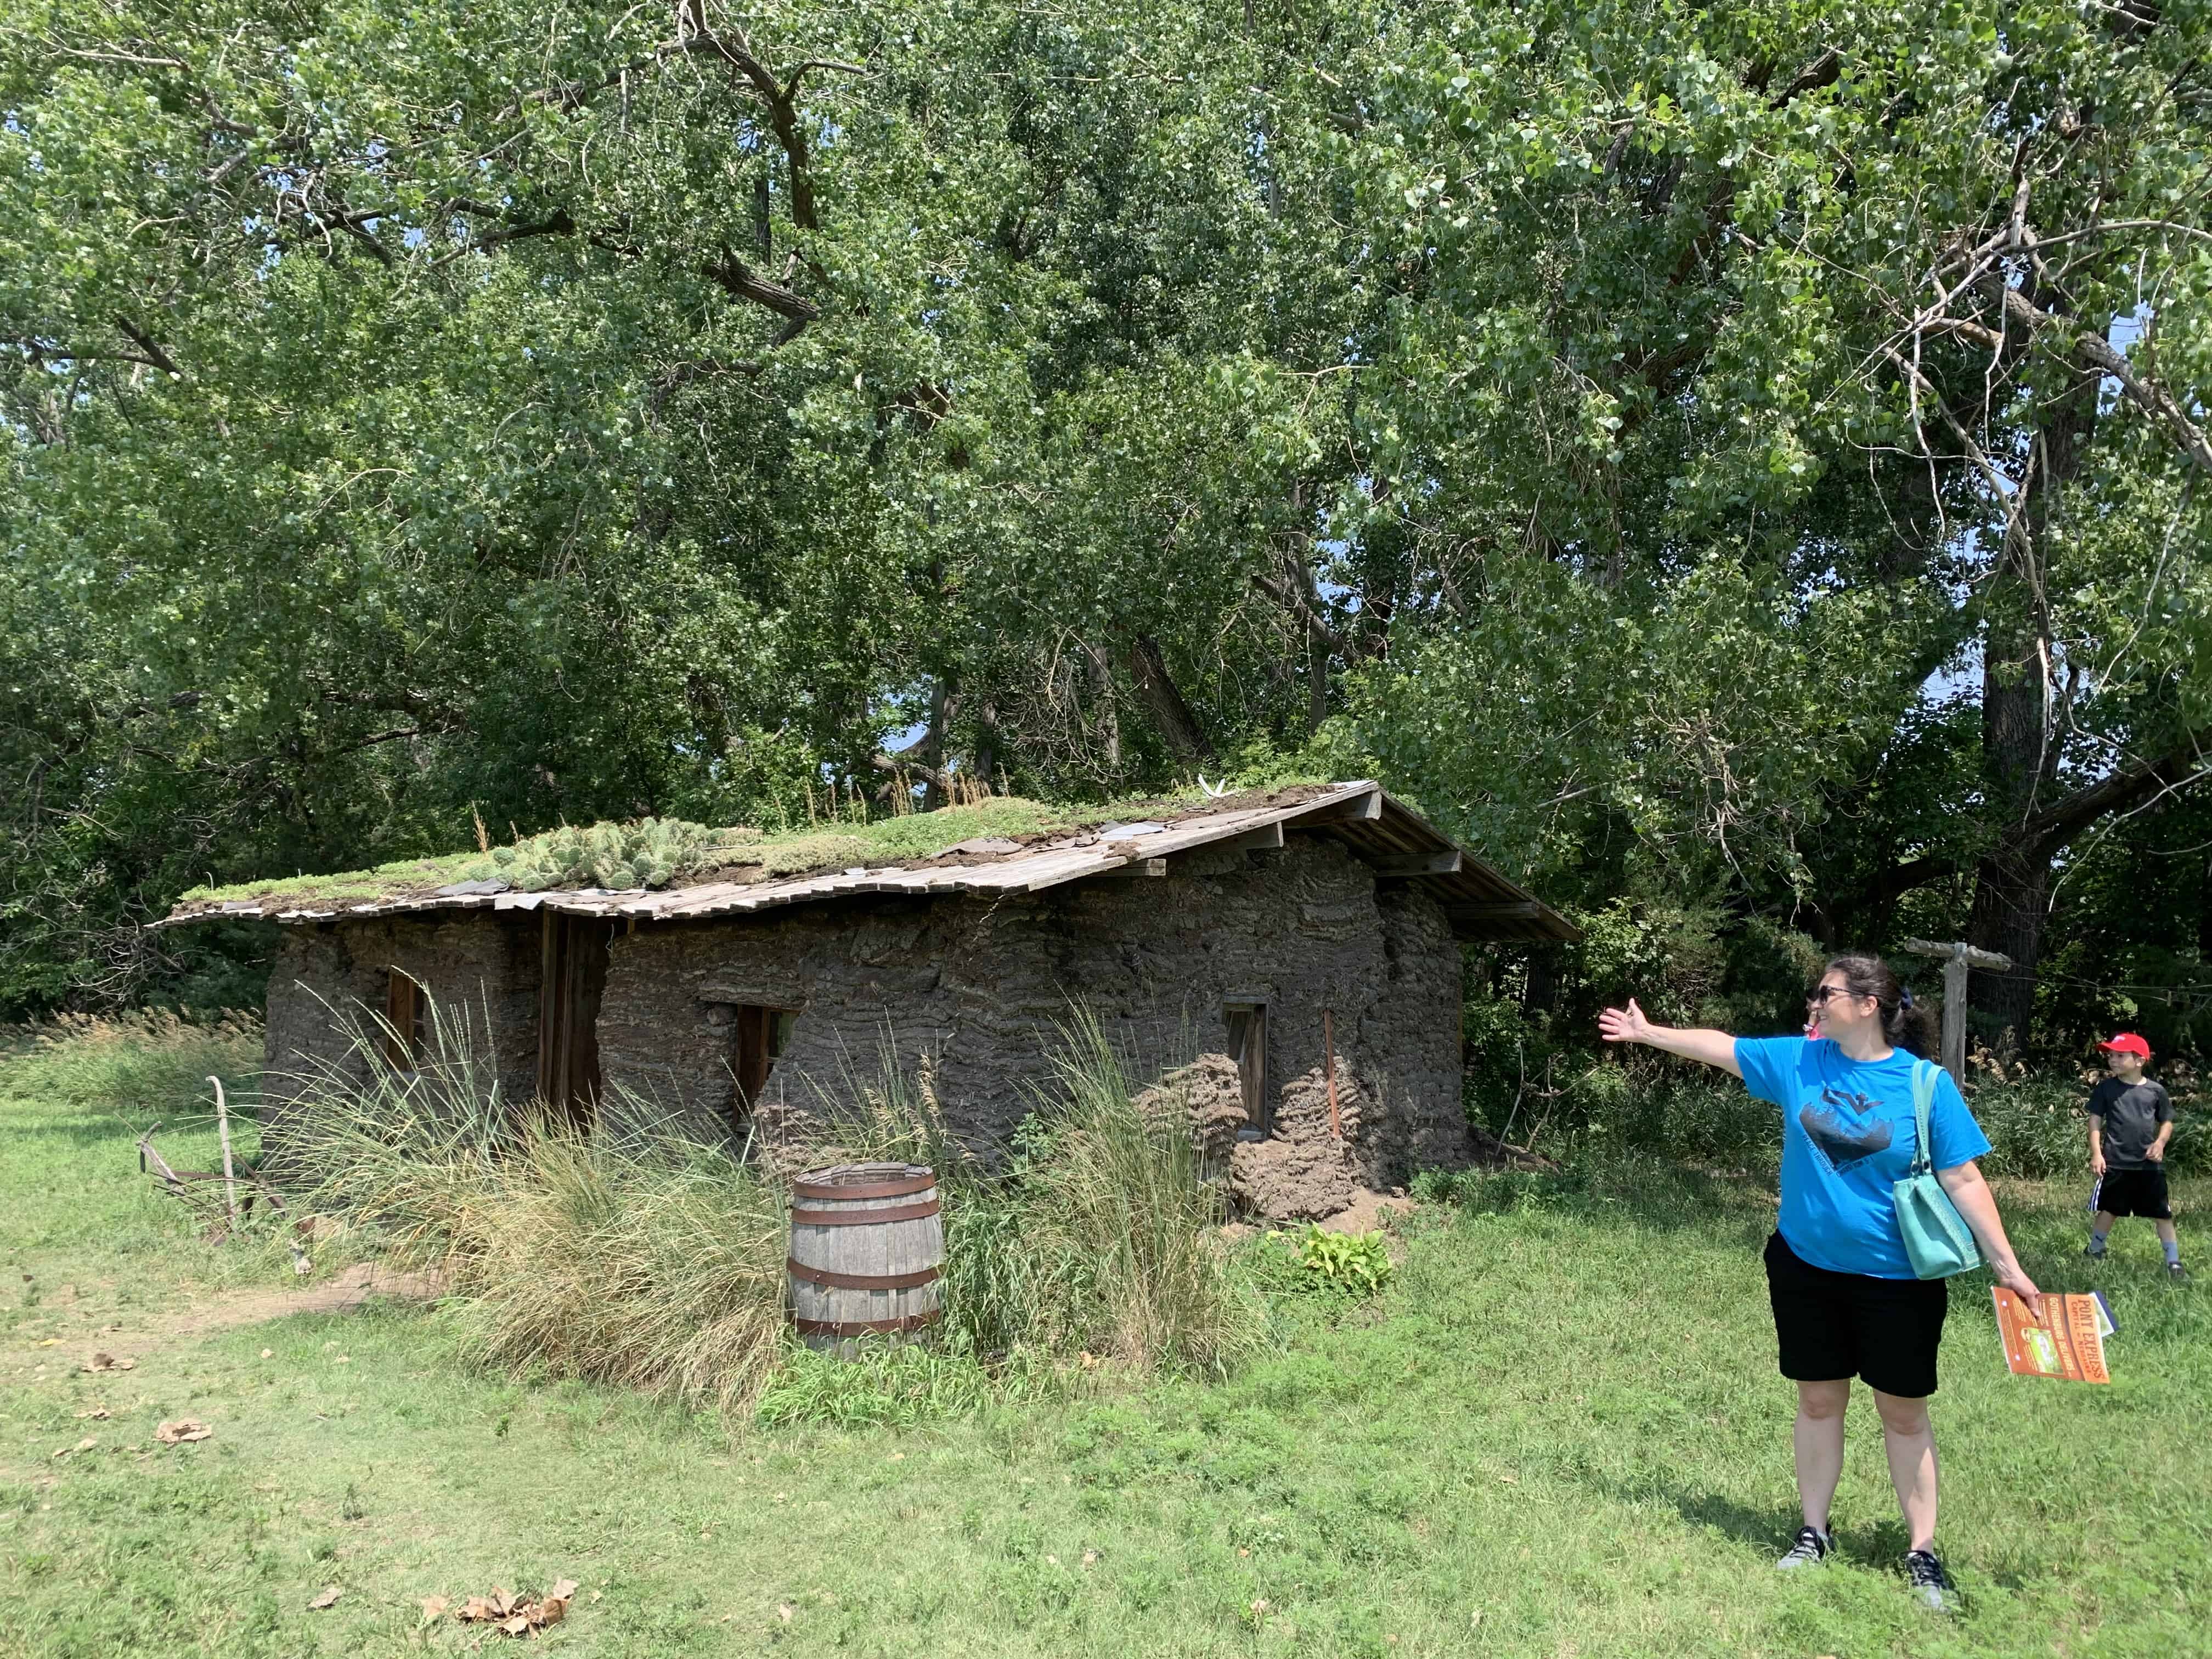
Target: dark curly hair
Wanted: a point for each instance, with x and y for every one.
(1904, 1022)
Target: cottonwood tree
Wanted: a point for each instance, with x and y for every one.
(1895, 314)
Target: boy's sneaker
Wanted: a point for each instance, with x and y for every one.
(2177, 1273)
(1812, 1547)
(2095, 1252)
(1930, 1583)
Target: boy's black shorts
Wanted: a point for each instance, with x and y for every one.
(1830, 1326)
(2135, 1192)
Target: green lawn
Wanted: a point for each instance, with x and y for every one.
(1558, 1432)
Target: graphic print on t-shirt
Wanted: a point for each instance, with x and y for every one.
(1837, 1127)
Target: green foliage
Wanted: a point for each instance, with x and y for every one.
(490, 410)
(1357, 1262)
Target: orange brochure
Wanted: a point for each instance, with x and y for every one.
(2068, 1342)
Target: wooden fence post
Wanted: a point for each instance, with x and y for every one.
(1957, 958)
(230, 1175)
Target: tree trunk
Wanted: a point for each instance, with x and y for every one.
(932, 745)
(2021, 737)
(985, 759)
(2012, 892)
(1316, 682)
(1109, 719)
(1164, 702)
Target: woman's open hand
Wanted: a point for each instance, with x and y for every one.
(1625, 1025)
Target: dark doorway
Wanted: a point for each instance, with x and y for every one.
(763, 1034)
(574, 966)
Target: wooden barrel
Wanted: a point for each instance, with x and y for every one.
(866, 1243)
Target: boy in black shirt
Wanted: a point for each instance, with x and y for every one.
(2131, 1121)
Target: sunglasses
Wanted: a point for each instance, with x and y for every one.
(1818, 996)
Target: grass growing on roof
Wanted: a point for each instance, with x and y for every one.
(833, 844)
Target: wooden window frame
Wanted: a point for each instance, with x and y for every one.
(1248, 1044)
(761, 1037)
(405, 1004)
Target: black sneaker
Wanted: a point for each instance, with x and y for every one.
(2177, 1273)
(1812, 1547)
(2095, 1252)
(1930, 1583)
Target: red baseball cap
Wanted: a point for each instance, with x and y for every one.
(2127, 1043)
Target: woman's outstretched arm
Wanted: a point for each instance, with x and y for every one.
(1629, 1025)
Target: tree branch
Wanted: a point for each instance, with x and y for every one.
(738, 278)
(2186, 763)
(145, 342)
(2093, 351)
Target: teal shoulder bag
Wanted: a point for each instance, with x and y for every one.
(1937, 1240)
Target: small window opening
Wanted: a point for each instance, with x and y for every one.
(405, 1010)
(1248, 1044)
(762, 1036)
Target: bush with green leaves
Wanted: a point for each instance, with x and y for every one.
(1359, 1262)
(649, 853)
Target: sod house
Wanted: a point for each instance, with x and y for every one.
(1288, 962)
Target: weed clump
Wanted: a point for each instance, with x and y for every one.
(1097, 1236)
(651, 1263)
(657, 1263)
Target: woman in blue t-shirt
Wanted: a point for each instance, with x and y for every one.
(1846, 1302)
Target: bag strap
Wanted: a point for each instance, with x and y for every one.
(1923, 1097)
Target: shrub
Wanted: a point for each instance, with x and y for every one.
(1314, 1260)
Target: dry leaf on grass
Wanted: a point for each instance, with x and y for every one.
(84, 1445)
(514, 1614)
(108, 1362)
(433, 1606)
(329, 1598)
(96, 1413)
(183, 1429)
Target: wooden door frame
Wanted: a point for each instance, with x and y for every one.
(572, 953)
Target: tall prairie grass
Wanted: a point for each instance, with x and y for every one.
(138, 1065)
(1095, 1234)
(650, 1261)
(657, 1263)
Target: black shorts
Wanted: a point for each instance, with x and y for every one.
(1831, 1325)
(2135, 1192)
